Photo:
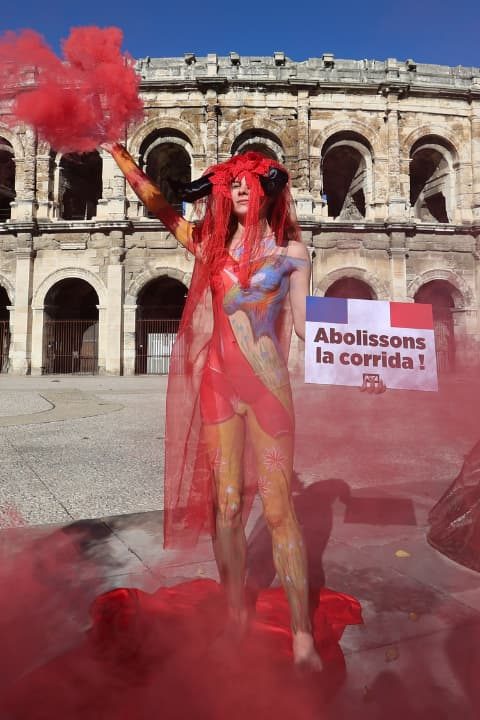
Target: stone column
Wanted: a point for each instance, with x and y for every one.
(38, 320)
(21, 346)
(115, 288)
(304, 195)
(303, 133)
(475, 120)
(112, 204)
(129, 318)
(45, 205)
(133, 206)
(398, 267)
(11, 325)
(396, 202)
(24, 207)
(211, 110)
(198, 165)
(102, 338)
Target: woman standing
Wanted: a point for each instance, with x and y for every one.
(230, 418)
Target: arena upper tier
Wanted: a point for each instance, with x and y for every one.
(385, 162)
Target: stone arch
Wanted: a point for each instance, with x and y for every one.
(145, 277)
(80, 185)
(262, 138)
(18, 149)
(433, 166)
(8, 178)
(363, 130)
(237, 129)
(166, 156)
(462, 293)
(379, 288)
(64, 274)
(437, 131)
(167, 123)
(346, 175)
(8, 287)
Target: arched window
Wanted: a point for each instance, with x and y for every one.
(166, 155)
(261, 141)
(80, 185)
(431, 180)
(159, 309)
(71, 328)
(346, 175)
(440, 295)
(7, 179)
(351, 288)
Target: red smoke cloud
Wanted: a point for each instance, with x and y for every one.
(74, 103)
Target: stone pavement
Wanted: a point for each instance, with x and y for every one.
(80, 447)
(418, 653)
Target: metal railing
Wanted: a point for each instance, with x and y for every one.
(70, 347)
(153, 345)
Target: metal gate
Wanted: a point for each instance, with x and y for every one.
(70, 347)
(4, 344)
(153, 345)
(444, 340)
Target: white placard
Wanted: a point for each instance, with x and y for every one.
(365, 342)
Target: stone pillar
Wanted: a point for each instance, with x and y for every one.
(112, 204)
(102, 338)
(476, 159)
(198, 165)
(134, 207)
(211, 110)
(38, 320)
(21, 346)
(129, 319)
(396, 202)
(45, 204)
(303, 133)
(398, 267)
(115, 288)
(304, 197)
(11, 325)
(24, 207)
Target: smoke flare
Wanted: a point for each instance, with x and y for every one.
(75, 103)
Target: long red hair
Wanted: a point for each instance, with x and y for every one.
(218, 222)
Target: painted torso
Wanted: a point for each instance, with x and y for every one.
(246, 319)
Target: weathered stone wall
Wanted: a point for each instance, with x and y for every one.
(374, 115)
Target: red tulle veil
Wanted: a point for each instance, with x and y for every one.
(188, 481)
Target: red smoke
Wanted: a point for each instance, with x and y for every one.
(74, 103)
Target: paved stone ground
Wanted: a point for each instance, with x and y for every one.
(80, 447)
(417, 656)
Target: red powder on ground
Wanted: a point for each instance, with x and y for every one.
(75, 103)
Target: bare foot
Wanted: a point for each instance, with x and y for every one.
(304, 653)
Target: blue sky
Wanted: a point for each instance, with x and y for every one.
(427, 31)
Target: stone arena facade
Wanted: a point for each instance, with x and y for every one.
(385, 165)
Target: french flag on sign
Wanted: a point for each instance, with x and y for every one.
(357, 342)
(397, 314)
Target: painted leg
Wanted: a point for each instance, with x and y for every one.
(225, 441)
(275, 467)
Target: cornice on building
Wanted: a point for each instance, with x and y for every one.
(316, 227)
(314, 74)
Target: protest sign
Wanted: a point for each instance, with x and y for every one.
(365, 342)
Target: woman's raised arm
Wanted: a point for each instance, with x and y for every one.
(151, 196)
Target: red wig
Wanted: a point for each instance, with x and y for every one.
(218, 222)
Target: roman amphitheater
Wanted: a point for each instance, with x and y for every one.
(385, 164)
